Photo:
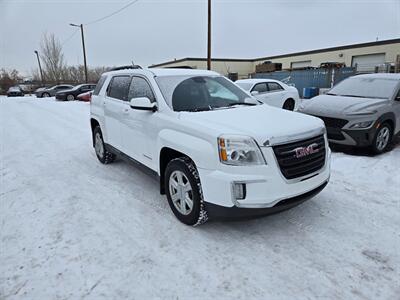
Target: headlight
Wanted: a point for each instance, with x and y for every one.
(365, 124)
(239, 151)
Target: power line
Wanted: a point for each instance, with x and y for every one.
(113, 13)
(69, 38)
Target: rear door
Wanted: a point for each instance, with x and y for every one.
(116, 96)
(276, 94)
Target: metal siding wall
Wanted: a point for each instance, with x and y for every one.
(320, 78)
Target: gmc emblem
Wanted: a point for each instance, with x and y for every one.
(305, 151)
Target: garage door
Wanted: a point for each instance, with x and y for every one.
(367, 63)
(301, 64)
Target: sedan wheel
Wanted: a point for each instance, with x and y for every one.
(70, 98)
(45, 95)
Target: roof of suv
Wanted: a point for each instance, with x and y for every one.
(166, 72)
(381, 75)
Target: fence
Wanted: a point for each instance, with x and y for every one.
(320, 78)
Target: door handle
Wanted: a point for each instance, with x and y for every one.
(125, 111)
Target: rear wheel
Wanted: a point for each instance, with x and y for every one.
(289, 104)
(104, 156)
(184, 192)
(382, 139)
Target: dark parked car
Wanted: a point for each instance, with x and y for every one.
(73, 93)
(50, 92)
(15, 91)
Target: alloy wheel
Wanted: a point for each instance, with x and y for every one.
(383, 138)
(181, 192)
(98, 145)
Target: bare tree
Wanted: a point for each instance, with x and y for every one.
(53, 57)
(8, 78)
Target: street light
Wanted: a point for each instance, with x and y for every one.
(40, 67)
(84, 50)
(209, 37)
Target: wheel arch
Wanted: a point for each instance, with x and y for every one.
(389, 118)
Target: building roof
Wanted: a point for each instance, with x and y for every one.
(352, 46)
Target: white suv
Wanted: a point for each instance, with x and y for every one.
(218, 152)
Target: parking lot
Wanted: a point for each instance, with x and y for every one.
(72, 228)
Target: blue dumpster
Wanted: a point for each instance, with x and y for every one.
(309, 92)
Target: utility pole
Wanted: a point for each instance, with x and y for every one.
(40, 67)
(84, 50)
(209, 37)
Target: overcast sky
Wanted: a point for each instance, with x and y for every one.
(152, 31)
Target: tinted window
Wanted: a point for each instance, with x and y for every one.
(186, 93)
(119, 87)
(99, 85)
(260, 87)
(140, 88)
(273, 86)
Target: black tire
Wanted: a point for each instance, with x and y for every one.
(45, 95)
(378, 148)
(198, 214)
(69, 96)
(289, 104)
(104, 156)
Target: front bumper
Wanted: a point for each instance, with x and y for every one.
(221, 212)
(266, 187)
(355, 137)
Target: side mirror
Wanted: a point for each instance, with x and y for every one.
(397, 98)
(143, 103)
(254, 93)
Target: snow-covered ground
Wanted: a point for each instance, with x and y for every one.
(72, 228)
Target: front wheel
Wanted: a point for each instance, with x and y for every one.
(382, 138)
(70, 97)
(184, 192)
(45, 95)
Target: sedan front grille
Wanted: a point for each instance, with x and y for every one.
(301, 158)
(333, 122)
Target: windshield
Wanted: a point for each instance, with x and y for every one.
(245, 85)
(199, 93)
(365, 87)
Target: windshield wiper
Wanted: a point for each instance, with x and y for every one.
(197, 109)
(355, 96)
(331, 94)
(242, 103)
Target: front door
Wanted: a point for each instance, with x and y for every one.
(138, 126)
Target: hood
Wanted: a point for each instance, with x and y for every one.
(327, 104)
(261, 122)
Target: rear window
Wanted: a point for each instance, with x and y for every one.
(99, 85)
(119, 88)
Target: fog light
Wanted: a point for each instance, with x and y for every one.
(239, 190)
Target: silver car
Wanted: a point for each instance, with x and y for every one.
(50, 92)
(363, 110)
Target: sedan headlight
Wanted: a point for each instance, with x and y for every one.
(365, 124)
(239, 151)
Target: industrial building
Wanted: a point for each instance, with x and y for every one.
(382, 56)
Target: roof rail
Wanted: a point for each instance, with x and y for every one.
(126, 67)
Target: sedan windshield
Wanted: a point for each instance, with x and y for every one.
(200, 93)
(365, 87)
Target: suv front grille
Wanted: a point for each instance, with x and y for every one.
(333, 122)
(301, 158)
